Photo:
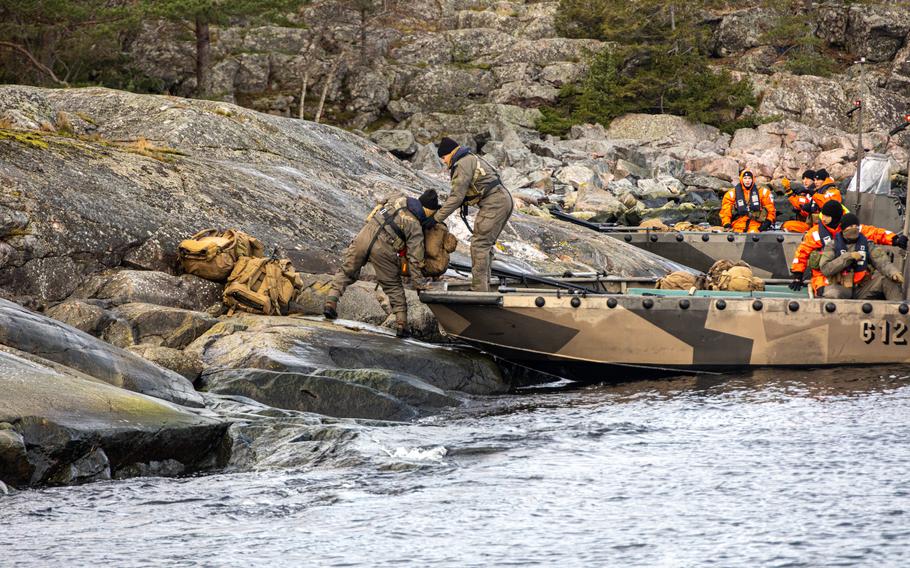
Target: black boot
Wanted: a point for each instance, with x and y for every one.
(401, 330)
(330, 310)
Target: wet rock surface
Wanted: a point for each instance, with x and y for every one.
(308, 365)
(157, 169)
(61, 426)
(47, 338)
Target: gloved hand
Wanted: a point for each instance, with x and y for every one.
(728, 226)
(797, 283)
(898, 277)
(765, 226)
(856, 255)
(786, 183)
(899, 241)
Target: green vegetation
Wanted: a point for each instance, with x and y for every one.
(658, 63)
(63, 42)
(85, 42)
(792, 35)
(201, 14)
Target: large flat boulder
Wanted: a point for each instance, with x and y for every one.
(37, 334)
(128, 176)
(308, 365)
(60, 426)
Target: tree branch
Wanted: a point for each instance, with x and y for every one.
(38, 65)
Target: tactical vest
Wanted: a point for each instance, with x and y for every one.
(479, 187)
(824, 235)
(744, 208)
(384, 215)
(859, 268)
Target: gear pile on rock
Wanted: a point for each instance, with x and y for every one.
(255, 284)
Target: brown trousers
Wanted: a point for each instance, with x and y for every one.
(495, 210)
(877, 287)
(385, 262)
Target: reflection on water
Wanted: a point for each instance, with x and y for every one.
(766, 468)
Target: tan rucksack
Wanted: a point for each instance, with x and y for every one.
(438, 242)
(262, 286)
(211, 254)
(680, 280)
(654, 225)
(739, 279)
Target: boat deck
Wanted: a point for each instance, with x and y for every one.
(770, 291)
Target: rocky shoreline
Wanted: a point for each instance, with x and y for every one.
(118, 366)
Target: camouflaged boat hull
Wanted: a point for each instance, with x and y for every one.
(769, 254)
(604, 337)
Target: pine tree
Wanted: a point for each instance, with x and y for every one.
(202, 14)
(656, 63)
(60, 41)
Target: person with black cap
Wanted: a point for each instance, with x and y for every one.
(392, 241)
(825, 189)
(857, 269)
(803, 205)
(475, 183)
(747, 208)
(809, 251)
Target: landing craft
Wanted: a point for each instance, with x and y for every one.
(595, 336)
(769, 253)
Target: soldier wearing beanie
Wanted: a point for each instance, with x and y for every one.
(475, 183)
(803, 204)
(392, 241)
(747, 208)
(856, 268)
(825, 189)
(808, 254)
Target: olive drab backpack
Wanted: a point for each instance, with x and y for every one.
(262, 286)
(212, 254)
(438, 242)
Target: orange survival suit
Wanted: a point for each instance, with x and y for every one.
(747, 209)
(819, 238)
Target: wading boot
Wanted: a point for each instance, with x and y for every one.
(330, 310)
(401, 329)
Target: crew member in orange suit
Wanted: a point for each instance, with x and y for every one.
(747, 208)
(803, 204)
(825, 189)
(828, 227)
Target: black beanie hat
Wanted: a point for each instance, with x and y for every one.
(430, 200)
(809, 174)
(848, 220)
(821, 174)
(834, 210)
(446, 145)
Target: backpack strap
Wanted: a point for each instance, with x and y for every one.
(388, 219)
(204, 233)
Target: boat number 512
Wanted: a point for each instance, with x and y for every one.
(885, 331)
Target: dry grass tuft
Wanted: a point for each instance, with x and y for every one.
(143, 147)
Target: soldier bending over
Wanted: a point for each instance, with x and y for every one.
(391, 240)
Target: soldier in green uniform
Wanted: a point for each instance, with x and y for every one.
(475, 182)
(392, 241)
(858, 269)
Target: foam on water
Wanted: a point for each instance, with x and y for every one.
(767, 468)
(434, 454)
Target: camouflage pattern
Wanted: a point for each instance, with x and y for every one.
(585, 338)
(769, 253)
